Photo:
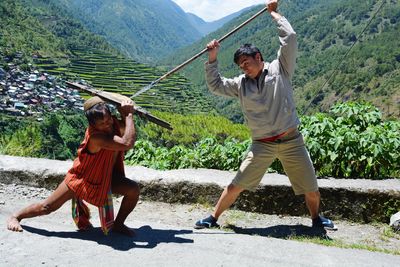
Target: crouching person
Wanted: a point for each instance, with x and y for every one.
(96, 174)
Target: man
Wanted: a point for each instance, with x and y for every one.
(266, 99)
(96, 172)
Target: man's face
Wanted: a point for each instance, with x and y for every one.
(105, 124)
(250, 66)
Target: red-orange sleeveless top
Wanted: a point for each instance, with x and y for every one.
(91, 174)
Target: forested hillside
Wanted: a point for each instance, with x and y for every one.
(144, 30)
(326, 30)
(141, 29)
(63, 47)
(37, 27)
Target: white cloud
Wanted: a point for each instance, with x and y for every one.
(210, 10)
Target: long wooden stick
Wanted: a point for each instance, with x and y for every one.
(106, 96)
(197, 55)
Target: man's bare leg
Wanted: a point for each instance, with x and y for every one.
(130, 190)
(227, 198)
(50, 204)
(312, 201)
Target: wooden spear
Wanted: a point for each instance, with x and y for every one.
(116, 99)
(144, 89)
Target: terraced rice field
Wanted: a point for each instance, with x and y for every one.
(117, 74)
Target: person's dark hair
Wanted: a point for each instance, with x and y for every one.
(246, 50)
(96, 112)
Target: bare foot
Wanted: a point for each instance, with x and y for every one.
(13, 224)
(123, 229)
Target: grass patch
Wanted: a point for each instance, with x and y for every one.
(201, 204)
(388, 233)
(341, 244)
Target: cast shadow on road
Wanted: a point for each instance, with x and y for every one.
(145, 237)
(283, 231)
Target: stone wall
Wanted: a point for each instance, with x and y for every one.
(356, 200)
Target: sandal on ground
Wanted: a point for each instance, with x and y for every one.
(322, 222)
(209, 222)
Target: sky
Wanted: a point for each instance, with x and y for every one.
(210, 10)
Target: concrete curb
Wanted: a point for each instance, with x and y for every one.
(358, 200)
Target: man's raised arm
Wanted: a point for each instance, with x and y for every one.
(287, 38)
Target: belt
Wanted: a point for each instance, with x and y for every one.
(282, 137)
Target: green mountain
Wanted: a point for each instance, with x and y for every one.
(37, 27)
(326, 30)
(142, 29)
(205, 27)
(64, 47)
(145, 30)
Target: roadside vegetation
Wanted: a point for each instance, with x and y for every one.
(350, 141)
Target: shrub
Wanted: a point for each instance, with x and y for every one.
(190, 129)
(352, 141)
(208, 153)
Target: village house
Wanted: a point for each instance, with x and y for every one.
(2, 73)
(33, 93)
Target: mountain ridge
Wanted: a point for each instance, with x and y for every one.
(326, 31)
(40, 33)
(144, 30)
(205, 27)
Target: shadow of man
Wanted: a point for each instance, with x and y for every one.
(283, 231)
(145, 237)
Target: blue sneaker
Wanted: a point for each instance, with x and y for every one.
(208, 222)
(322, 222)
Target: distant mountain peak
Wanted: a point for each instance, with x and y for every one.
(205, 27)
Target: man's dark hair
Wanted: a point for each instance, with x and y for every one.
(246, 50)
(96, 112)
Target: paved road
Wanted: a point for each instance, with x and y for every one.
(53, 241)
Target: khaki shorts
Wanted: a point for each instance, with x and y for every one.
(291, 152)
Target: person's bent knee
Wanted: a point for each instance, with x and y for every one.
(232, 188)
(134, 190)
(314, 194)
